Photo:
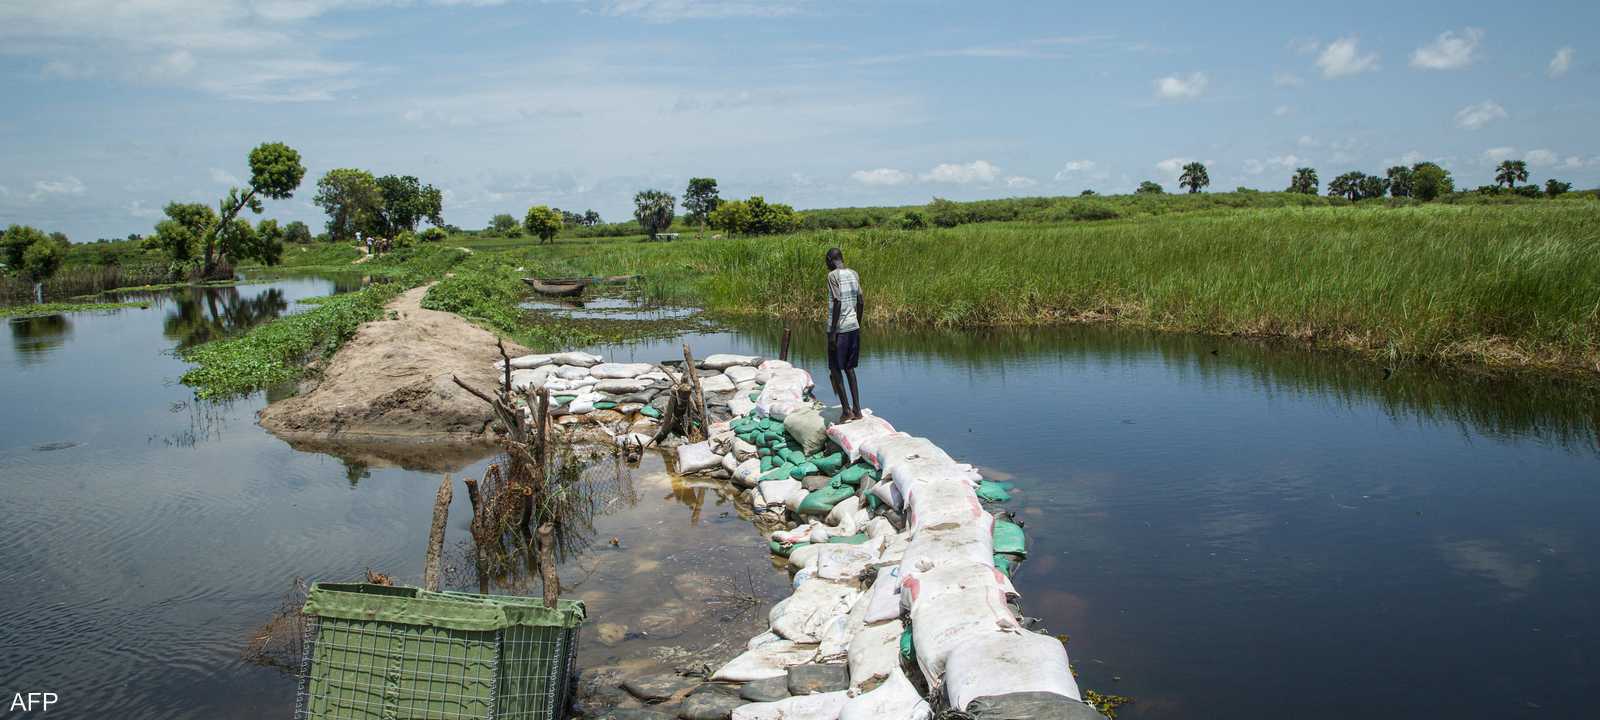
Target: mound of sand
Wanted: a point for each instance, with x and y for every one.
(390, 385)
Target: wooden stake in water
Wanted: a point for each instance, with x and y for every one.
(783, 350)
(441, 512)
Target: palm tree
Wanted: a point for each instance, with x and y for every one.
(1304, 182)
(1509, 172)
(1194, 177)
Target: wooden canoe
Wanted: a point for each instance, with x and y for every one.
(558, 287)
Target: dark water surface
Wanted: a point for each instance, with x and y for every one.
(1224, 529)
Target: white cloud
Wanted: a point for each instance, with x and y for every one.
(223, 177)
(1561, 62)
(881, 176)
(1182, 87)
(1540, 158)
(66, 70)
(1074, 167)
(68, 185)
(977, 171)
(1282, 110)
(1279, 162)
(1573, 161)
(1018, 181)
(1343, 57)
(665, 11)
(1496, 154)
(1306, 141)
(1412, 157)
(1449, 51)
(137, 209)
(1285, 79)
(1173, 167)
(1476, 116)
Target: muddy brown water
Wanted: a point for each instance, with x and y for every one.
(1221, 527)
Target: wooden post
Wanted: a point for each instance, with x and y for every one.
(441, 512)
(547, 565)
(697, 396)
(783, 350)
(472, 494)
(542, 420)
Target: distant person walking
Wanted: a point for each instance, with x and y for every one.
(845, 308)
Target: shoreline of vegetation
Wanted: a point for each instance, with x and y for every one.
(57, 308)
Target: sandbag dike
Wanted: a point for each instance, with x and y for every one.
(902, 604)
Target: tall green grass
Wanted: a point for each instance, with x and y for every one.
(1507, 285)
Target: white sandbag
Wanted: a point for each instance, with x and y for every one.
(621, 386)
(960, 613)
(774, 365)
(620, 370)
(798, 534)
(801, 576)
(722, 442)
(895, 699)
(851, 435)
(753, 496)
(846, 527)
(812, 606)
(740, 404)
(1004, 663)
(744, 450)
(835, 640)
(875, 652)
(575, 357)
(731, 464)
(776, 491)
(723, 361)
(889, 454)
(819, 706)
(530, 379)
(954, 577)
(805, 557)
(794, 498)
(525, 362)
(583, 404)
(893, 551)
(888, 494)
(716, 384)
(769, 660)
(844, 562)
(879, 527)
(909, 473)
(820, 533)
(941, 505)
(766, 638)
(883, 600)
(846, 508)
(741, 374)
(781, 409)
(807, 428)
(563, 386)
(696, 457)
(572, 372)
(931, 549)
(746, 473)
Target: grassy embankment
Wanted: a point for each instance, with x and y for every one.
(1512, 286)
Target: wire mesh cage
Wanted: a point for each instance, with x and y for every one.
(374, 652)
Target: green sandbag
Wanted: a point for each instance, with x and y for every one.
(908, 651)
(793, 457)
(852, 475)
(649, 411)
(991, 491)
(803, 469)
(782, 550)
(1005, 563)
(1009, 538)
(855, 539)
(755, 396)
(819, 502)
(828, 464)
(780, 472)
(563, 399)
(764, 452)
(605, 405)
(873, 503)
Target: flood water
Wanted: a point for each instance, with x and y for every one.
(1223, 528)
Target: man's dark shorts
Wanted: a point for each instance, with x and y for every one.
(844, 354)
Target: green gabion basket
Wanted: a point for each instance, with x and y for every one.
(374, 652)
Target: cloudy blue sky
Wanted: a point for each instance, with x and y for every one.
(112, 109)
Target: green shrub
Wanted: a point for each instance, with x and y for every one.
(433, 234)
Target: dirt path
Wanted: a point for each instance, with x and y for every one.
(389, 387)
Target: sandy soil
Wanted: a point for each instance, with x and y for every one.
(391, 384)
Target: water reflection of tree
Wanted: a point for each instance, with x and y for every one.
(34, 338)
(204, 314)
(1496, 404)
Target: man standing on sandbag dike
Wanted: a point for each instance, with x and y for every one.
(844, 331)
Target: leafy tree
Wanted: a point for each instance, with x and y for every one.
(275, 172)
(41, 260)
(1149, 188)
(61, 240)
(1304, 181)
(1088, 193)
(182, 234)
(264, 242)
(946, 213)
(700, 198)
(1554, 187)
(16, 241)
(433, 234)
(1510, 172)
(913, 220)
(653, 209)
(542, 222)
(296, 232)
(353, 202)
(1194, 177)
(1400, 180)
(1372, 186)
(591, 218)
(1347, 185)
(406, 202)
(732, 217)
(1528, 191)
(771, 218)
(505, 225)
(1429, 181)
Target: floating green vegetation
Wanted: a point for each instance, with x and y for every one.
(1106, 704)
(489, 291)
(59, 308)
(276, 351)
